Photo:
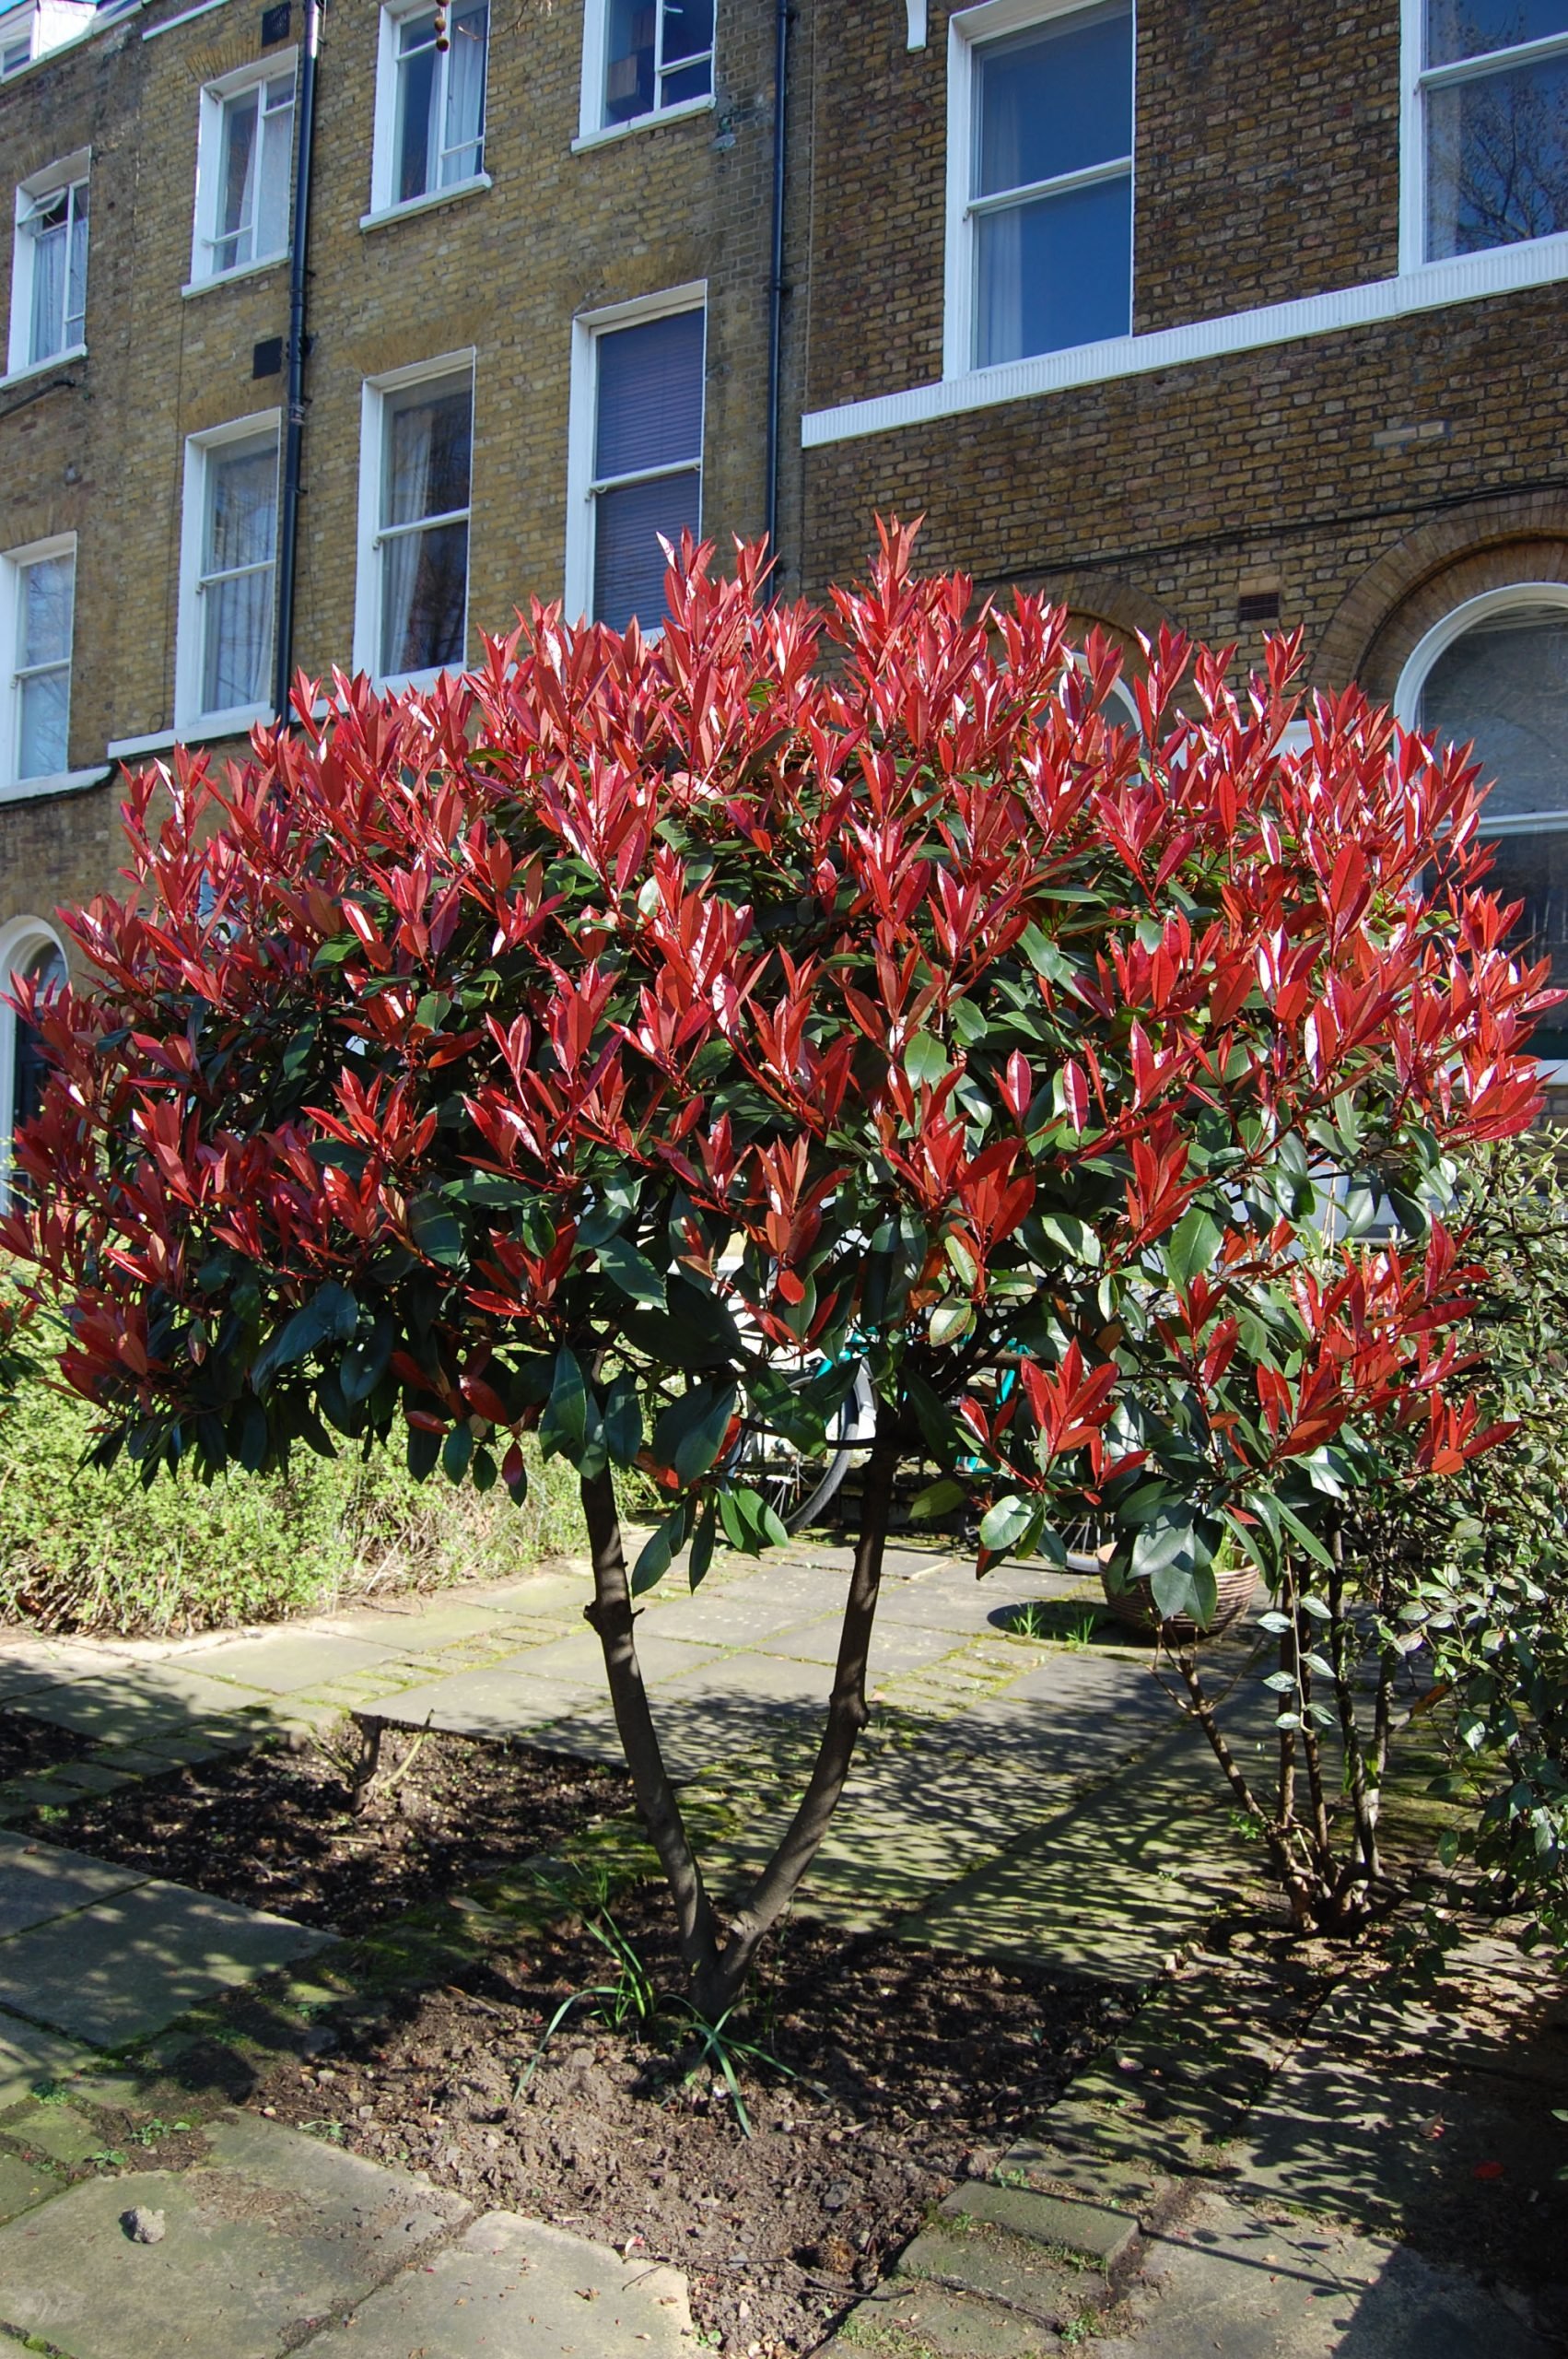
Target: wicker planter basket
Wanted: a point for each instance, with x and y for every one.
(1134, 1607)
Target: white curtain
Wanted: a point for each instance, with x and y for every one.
(463, 142)
(999, 256)
(407, 498)
(49, 260)
(241, 559)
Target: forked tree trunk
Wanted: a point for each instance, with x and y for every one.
(719, 1958)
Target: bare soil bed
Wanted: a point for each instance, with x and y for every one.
(275, 1829)
(897, 2073)
(27, 1744)
(891, 2072)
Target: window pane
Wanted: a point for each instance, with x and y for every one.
(649, 395)
(242, 515)
(425, 599)
(238, 640)
(1055, 273)
(629, 76)
(1504, 684)
(45, 702)
(49, 259)
(688, 28)
(1497, 159)
(429, 443)
(30, 1067)
(277, 161)
(628, 564)
(1457, 29)
(465, 96)
(686, 82)
(1056, 102)
(416, 101)
(47, 594)
(236, 193)
(77, 268)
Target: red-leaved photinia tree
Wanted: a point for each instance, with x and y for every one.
(635, 1037)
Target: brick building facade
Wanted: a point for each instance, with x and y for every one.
(1217, 314)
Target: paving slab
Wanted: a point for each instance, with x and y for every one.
(511, 2287)
(31, 2058)
(1228, 2280)
(282, 1662)
(908, 2321)
(999, 2267)
(273, 2234)
(1094, 2232)
(56, 2130)
(130, 1706)
(127, 1965)
(23, 2184)
(498, 1703)
(43, 1880)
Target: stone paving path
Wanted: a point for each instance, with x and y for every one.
(1015, 1797)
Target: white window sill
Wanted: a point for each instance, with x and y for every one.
(613, 131)
(426, 204)
(396, 684)
(42, 368)
(1538, 262)
(201, 731)
(232, 277)
(24, 790)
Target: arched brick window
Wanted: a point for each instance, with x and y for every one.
(28, 952)
(1494, 672)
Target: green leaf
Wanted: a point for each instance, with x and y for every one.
(1192, 1246)
(248, 1433)
(482, 1470)
(967, 1021)
(622, 1421)
(660, 1552)
(563, 1428)
(436, 1231)
(632, 1273)
(925, 1060)
(1304, 1533)
(950, 1322)
(690, 1433)
(456, 1451)
(750, 1524)
(938, 1498)
(1173, 1554)
(330, 1316)
(424, 1450)
(1003, 1523)
(365, 1362)
(433, 1011)
(963, 1261)
(706, 1533)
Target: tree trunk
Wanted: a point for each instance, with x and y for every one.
(612, 1616)
(847, 1716)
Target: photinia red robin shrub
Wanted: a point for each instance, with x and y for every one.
(638, 1036)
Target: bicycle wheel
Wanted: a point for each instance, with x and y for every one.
(797, 1484)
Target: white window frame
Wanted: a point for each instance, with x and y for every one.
(190, 650)
(68, 173)
(1413, 678)
(21, 939)
(215, 97)
(1415, 81)
(14, 788)
(373, 399)
(967, 30)
(384, 206)
(593, 128)
(582, 429)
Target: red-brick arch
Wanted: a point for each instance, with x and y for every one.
(1386, 614)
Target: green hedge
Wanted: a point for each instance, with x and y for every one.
(81, 1549)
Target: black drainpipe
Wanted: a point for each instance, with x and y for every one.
(294, 430)
(776, 281)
